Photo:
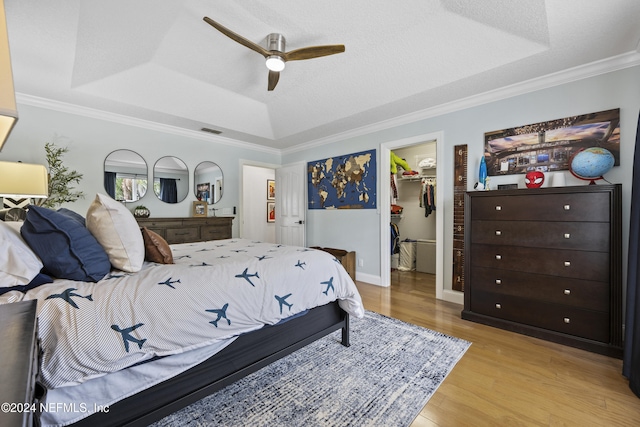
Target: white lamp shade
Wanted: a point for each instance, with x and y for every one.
(23, 180)
(8, 110)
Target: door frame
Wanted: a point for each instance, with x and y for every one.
(385, 206)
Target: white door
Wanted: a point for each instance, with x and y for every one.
(291, 204)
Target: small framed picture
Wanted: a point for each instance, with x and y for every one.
(200, 208)
(271, 189)
(202, 191)
(271, 211)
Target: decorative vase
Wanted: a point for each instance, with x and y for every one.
(482, 175)
(141, 212)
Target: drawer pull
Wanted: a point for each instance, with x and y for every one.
(498, 233)
(567, 320)
(567, 263)
(567, 235)
(498, 306)
(498, 282)
(498, 256)
(567, 207)
(567, 291)
(498, 208)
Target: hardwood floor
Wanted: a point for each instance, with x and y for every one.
(507, 379)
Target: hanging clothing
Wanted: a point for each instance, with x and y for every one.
(394, 189)
(427, 196)
(395, 239)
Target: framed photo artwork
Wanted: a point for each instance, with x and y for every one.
(203, 191)
(271, 211)
(271, 189)
(200, 208)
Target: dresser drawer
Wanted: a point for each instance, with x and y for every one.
(543, 207)
(588, 324)
(159, 223)
(214, 232)
(554, 262)
(182, 235)
(552, 234)
(585, 294)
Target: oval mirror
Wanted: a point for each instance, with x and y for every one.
(170, 179)
(125, 175)
(208, 182)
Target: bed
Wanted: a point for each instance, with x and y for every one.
(132, 347)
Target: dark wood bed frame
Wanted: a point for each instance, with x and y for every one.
(245, 355)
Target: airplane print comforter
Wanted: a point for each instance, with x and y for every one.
(214, 291)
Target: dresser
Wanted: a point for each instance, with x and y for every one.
(18, 364)
(547, 262)
(187, 230)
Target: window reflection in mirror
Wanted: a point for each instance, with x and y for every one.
(170, 179)
(208, 182)
(125, 175)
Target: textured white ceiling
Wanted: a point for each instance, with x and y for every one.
(158, 60)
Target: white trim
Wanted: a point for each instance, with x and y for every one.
(615, 63)
(368, 278)
(64, 107)
(385, 214)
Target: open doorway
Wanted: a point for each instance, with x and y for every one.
(413, 216)
(385, 205)
(255, 223)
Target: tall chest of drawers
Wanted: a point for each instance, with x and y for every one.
(547, 262)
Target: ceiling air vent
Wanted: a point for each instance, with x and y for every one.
(216, 132)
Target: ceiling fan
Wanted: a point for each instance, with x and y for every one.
(275, 53)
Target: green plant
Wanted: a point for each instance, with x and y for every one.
(60, 179)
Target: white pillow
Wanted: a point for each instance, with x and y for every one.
(18, 264)
(115, 228)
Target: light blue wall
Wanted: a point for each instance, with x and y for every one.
(90, 140)
(359, 230)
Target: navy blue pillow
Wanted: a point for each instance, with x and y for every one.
(67, 249)
(72, 214)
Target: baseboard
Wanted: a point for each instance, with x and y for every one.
(368, 278)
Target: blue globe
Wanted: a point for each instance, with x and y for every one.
(592, 163)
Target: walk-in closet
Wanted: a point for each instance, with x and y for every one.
(413, 210)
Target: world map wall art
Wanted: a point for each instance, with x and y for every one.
(549, 146)
(343, 182)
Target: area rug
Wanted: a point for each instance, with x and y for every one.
(384, 378)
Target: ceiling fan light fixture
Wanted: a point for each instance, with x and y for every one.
(275, 63)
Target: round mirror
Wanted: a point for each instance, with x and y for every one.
(170, 179)
(208, 182)
(125, 175)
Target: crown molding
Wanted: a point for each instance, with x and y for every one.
(608, 65)
(64, 107)
(615, 63)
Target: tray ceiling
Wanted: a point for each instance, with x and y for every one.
(158, 61)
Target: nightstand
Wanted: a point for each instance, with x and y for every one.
(18, 363)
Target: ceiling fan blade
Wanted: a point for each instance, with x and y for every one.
(274, 76)
(313, 52)
(238, 38)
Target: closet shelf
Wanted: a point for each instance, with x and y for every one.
(414, 177)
